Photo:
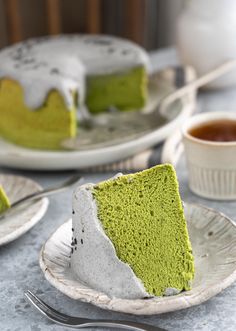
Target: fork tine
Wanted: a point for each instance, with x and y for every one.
(45, 312)
(44, 304)
(45, 309)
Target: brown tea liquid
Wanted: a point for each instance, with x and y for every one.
(216, 130)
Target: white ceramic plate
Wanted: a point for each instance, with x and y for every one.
(16, 187)
(103, 146)
(213, 238)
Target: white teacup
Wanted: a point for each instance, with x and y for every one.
(211, 164)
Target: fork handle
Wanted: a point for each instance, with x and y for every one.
(28, 198)
(40, 194)
(37, 195)
(127, 325)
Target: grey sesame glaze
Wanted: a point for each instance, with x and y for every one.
(63, 63)
(94, 260)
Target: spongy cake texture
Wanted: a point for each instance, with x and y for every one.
(43, 128)
(142, 214)
(125, 90)
(4, 201)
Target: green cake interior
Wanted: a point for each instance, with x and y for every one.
(42, 128)
(142, 214)
(4, 201)
(127, 90)
(47, 126)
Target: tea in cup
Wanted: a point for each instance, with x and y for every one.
(209, 141)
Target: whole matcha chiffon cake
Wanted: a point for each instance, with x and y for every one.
(130, 237)
(44, 82)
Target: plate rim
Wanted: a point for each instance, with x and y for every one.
(182, 302)
(16, 233)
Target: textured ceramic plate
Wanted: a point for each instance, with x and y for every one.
(16, 187)
(213, 238)
(126, 134)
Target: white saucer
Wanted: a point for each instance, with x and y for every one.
(129, 136)
(16, 187)
(213, 238)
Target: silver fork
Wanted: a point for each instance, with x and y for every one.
(40, 194)
(80, 323)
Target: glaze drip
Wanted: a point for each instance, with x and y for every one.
(64, 62)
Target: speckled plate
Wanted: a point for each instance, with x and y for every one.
(213, 238)
(16, 187)
(124, 133)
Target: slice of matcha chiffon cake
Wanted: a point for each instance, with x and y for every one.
(4, 201)
(130, 237)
